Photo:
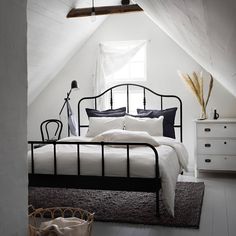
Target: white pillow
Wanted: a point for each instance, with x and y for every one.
(117, 135)
(153, 126)
(97, 125)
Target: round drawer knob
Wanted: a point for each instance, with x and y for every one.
(225, 126)
(225, 142)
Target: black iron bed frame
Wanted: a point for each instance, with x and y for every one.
(104, 182)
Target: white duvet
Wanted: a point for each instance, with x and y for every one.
(172, 154)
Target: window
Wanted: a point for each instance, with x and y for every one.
(134, 70)
(123, 62)
(135, 100)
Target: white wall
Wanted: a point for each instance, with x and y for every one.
(13, 126)
(164, 58)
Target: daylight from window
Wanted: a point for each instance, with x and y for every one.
(130, 67)
(134, 70)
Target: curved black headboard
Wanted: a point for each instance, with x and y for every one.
(127, 87)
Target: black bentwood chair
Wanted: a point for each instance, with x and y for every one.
(51, 126)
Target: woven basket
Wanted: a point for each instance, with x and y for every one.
(37, 216)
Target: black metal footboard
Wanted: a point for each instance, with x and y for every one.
(102, 182)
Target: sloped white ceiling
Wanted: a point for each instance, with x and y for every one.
(53, 39)
(205, 29)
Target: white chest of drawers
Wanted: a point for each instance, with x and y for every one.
(215, 145)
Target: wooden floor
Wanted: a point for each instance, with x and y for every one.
(218, 213)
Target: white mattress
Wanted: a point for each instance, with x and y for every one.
(142, 163)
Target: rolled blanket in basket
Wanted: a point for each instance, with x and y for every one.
(60, 226)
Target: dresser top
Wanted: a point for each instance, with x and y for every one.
(220, 120)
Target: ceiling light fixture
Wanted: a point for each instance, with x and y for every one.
(93, 14)
(125, 2)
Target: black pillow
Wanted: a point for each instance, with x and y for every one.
(168, 122)
(106, 113)
(147, 114)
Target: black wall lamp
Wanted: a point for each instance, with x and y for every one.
(74, 86)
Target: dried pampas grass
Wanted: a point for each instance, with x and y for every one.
(195, 83)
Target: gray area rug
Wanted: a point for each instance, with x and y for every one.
(128, 207)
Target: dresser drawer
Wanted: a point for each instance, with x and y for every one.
(216, 146)
(216, 130)
(208, 162)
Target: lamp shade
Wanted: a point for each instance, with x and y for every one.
(74, 84)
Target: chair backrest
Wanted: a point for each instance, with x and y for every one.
(52, 126)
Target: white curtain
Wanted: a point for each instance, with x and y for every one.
(112, 57)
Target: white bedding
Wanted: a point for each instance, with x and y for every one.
(172, 158)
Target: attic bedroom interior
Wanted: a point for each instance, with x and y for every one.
(145, 92)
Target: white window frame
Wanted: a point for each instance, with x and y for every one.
(114, 80)
(112, 58)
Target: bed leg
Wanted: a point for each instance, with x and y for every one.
(157, 204)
